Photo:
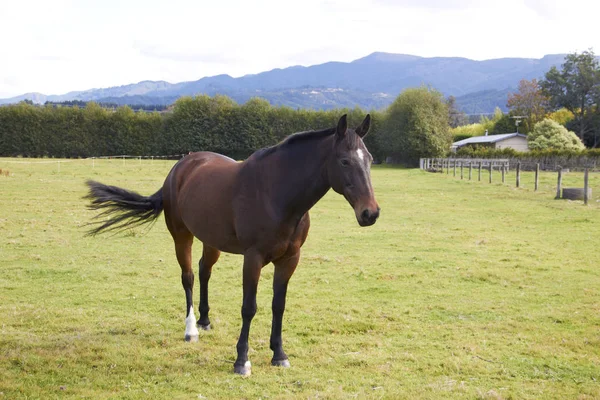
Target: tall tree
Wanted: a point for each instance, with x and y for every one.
(416, 125)
(456, 117)
(576, 87)
(530, 102)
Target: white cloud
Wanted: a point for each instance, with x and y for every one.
(55, 47)
(432, 4)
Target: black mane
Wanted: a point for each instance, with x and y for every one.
(299, 137)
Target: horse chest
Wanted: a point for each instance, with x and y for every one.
(287, 241)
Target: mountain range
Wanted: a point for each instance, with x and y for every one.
(371, 82)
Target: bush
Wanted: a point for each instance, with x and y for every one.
(467, 131)
(549, 134)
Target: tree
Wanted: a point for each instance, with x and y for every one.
(576, 87)
(530, 102)
(562, 116)
(416, 125)
(549, 134)
(504, 124)
(456, 117)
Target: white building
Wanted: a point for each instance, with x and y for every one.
(516, 141)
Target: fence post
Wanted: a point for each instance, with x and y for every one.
(461, 170)
(519, 174)
(454, 167)
(480, 166)
(448, 167)
(503, 172)
(491, 168)
(585, 186)
(537, 176)
(470, 169)
(559, 183)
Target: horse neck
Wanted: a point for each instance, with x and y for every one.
(303, 175)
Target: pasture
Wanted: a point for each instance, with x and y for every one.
(462, 289)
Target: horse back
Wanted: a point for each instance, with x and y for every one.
(198, 196)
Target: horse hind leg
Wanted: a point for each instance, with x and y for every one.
(210, 255)
(183, 250)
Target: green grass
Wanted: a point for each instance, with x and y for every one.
(462, 289)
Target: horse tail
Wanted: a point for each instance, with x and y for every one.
(121, 208)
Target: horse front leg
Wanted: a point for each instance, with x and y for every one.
(283, 272)
(253, 264)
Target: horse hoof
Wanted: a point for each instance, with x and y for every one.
(191, 338)
(204, 327)
(243, 370)
(281, 363)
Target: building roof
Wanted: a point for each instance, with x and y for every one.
(487, 139)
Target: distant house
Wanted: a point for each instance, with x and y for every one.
(516, 141)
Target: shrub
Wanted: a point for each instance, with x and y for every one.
(549, 134)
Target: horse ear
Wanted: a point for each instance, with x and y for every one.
(363, 128)
(342, 127)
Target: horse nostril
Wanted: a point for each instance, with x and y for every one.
(376, 214)
(365, 215)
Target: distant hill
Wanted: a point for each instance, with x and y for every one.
(485, 101)
(370, 82)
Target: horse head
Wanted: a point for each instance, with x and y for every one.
(349, 170)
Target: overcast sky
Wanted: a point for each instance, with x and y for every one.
(58, 46)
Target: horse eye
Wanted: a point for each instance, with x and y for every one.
(344, 162)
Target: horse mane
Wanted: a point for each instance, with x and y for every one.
(299, 137)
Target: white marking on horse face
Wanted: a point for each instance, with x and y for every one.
(190, 324)
(360, 153)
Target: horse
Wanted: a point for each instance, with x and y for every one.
(258, 208)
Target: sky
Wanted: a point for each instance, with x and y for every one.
(57, 46)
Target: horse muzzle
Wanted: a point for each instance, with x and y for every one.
(368, 216)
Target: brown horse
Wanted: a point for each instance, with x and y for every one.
(258, 208)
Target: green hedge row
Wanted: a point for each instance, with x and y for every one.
(193, 124)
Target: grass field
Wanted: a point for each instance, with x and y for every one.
(462, 289)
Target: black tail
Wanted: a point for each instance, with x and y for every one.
(121, 208)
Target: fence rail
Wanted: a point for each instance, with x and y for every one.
(503, 165)
(545, 163)
(439, 164)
